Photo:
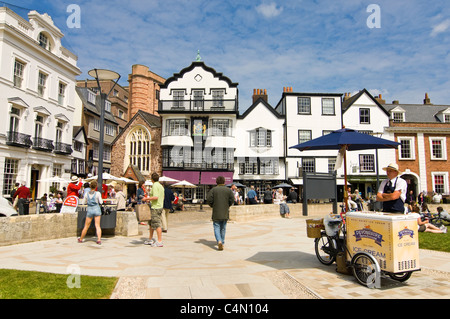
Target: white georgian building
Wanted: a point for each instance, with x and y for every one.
(37, 85)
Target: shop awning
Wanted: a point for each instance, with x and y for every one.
(190, 176)
(209, 178)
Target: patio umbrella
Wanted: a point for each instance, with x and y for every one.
(54, 179)
(107, 178)
(184, 184)
(126, 180)
(167, 179)
(346, 140)
(282, 185)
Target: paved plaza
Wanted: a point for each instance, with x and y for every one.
(271, 258)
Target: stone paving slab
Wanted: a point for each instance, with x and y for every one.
(266, 259)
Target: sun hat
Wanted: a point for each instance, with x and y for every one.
(74, 178)
(393, 166)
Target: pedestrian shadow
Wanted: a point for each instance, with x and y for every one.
(138, 242)
(209, 243)
(284, 259)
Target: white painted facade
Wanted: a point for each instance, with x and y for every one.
(260, 147)
(364, 114)
(37, 85)
(198, 107)
(309, 122)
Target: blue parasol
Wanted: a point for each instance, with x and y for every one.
(346, 140)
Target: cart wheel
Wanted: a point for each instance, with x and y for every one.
(403, 276)
(325, 249)
(366, 270)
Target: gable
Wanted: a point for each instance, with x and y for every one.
(200, 65)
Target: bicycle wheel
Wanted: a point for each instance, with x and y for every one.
(364, 269)
(325, 248)
(403, 276)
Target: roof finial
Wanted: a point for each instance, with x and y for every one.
(199, 58)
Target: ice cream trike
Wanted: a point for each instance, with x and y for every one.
(368, 244)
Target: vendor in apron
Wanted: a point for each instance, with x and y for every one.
(392, 191)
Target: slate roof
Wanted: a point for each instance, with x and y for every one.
(92, 108)
(419, 113)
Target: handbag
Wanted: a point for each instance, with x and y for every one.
(143, 213)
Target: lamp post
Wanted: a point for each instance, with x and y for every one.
(102, 75)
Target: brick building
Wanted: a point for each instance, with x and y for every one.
(424, 133)
(136, 151)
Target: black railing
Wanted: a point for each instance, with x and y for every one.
(43, 144)
(62, 148)
(198, 105)
(19, 139)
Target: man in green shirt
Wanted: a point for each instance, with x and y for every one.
(156, 198)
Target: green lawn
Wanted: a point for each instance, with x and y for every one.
(17, 284)
(433, 241)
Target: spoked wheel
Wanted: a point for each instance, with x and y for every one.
(365, 269)
(325, 249)
(403, 276)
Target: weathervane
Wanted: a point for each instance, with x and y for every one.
(199, 58)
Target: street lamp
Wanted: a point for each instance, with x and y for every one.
(102, 75)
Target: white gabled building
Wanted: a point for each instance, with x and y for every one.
(198, 107)
(259, 155)
(37, 85)
(309, 116)
(364, 113)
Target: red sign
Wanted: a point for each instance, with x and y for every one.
(70, 204)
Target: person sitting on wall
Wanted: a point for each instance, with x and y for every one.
(252, 196)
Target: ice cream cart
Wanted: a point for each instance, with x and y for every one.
(371, 244)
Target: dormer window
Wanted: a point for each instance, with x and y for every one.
(91, 97)
(44, 41)
(398, 117)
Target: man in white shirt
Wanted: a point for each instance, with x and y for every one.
(392, 191)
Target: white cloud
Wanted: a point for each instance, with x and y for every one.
(269, 10)
(441, 27)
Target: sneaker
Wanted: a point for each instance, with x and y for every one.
(157, 244)
(149, 242)
(79, 240)
(99, 242)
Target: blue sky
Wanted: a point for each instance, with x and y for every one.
(311, 46)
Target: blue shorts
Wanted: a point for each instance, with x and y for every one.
(93, 211)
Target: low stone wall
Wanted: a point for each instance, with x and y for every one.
(244, 213)
(30, 228)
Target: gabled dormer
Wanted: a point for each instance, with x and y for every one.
(398, 114)
(443, 116)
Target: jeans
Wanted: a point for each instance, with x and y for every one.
(220, 227)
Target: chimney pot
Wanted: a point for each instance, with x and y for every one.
(426, 101)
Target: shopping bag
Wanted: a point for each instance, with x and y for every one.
(143, 213)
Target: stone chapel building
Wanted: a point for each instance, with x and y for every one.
(136, 151)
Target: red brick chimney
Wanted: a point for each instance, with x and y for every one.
(380, 99)
(259, 93)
